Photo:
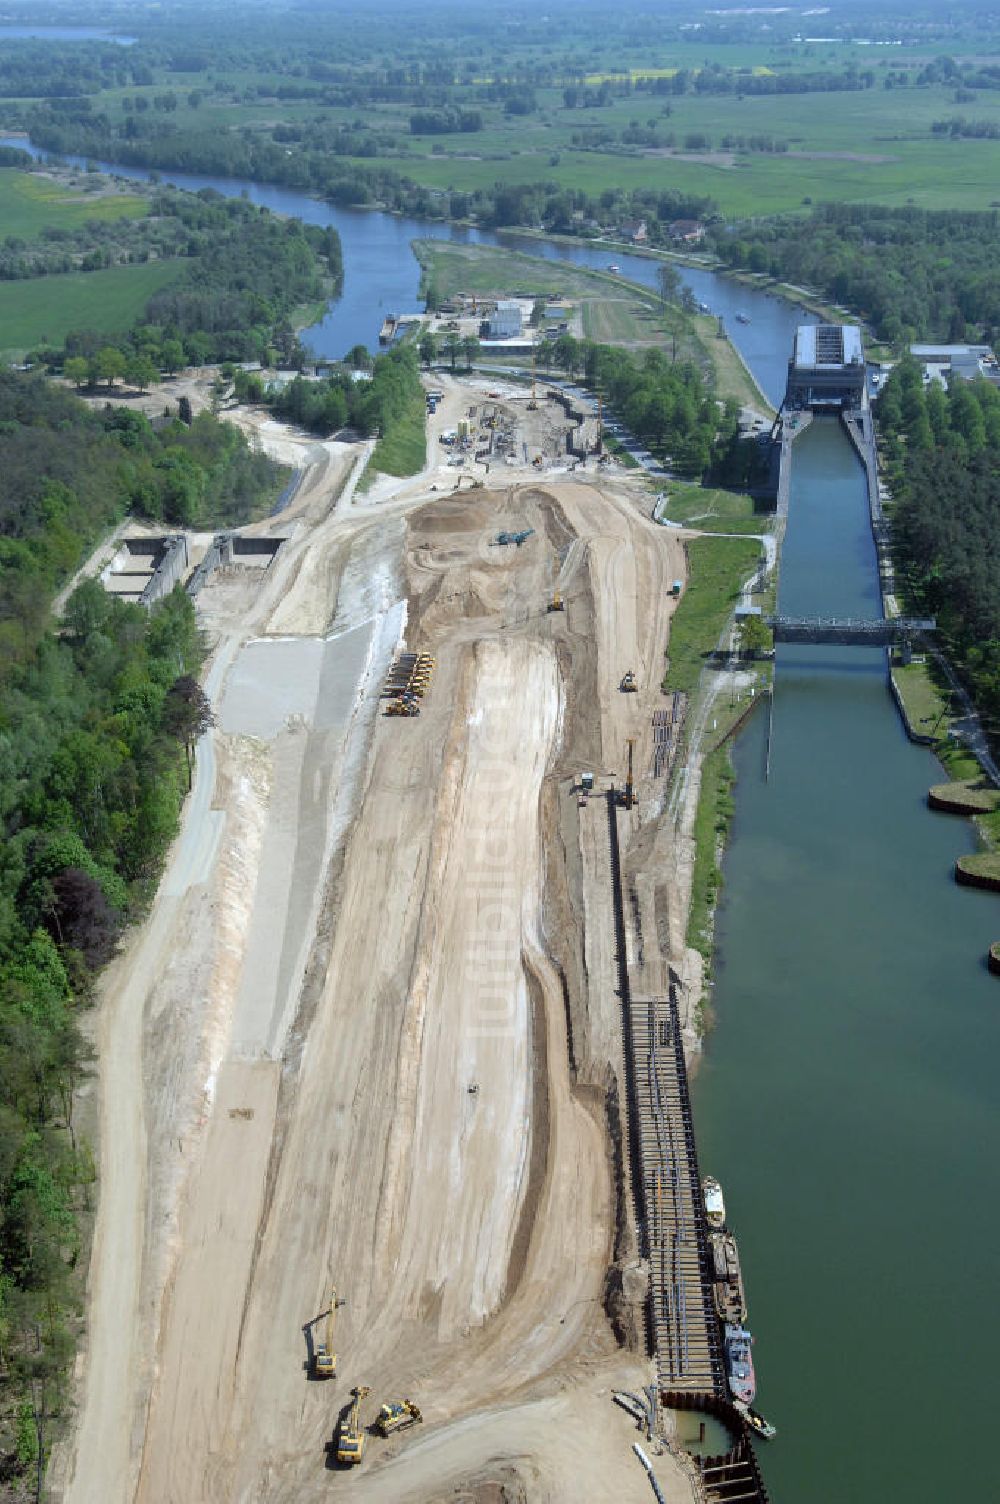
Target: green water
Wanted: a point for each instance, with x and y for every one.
(848, 1096)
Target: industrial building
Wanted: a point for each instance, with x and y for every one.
(966, 362)
(827, 368)
(505, 320)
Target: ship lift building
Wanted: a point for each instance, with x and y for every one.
(827, 369)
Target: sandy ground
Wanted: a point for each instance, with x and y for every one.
(369, 1033)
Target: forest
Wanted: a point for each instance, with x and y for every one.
(369, 405)
(941, 452)
(96, 721)
(914, 274)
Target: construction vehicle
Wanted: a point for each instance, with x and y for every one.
(402, 707)
(351, 1440)
(395, 1417)
(628, 685)
(325, 1359)
(516, 538)
(556, 602)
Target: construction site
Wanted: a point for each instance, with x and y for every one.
(378, 1218)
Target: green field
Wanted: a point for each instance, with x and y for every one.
(871, 145)
(44, 310)
(31, 203)
(711, 827)
(403, 450)
(714, 511)
(717, 568)
(864, 144)
(925, 704)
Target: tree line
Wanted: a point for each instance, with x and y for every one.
(97, 716)
(912, 273)
(941, 455)
(370, 406)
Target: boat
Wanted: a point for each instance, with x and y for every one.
(755, 1421)
(704, 308)
(741, 318)
(739, 1363)
(715, 1206)
(614, 267)
(730, 1297)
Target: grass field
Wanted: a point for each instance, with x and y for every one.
(925, 704)
(717, 569)
(714, 511)
(867, 145)
(732, 379)
(711, 827)
(43, 311)
(31, 203)
(403, 451)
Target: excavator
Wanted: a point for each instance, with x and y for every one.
(325, 1359)
(556, 602)
(395, 1417)
(351, 1441)
(628, 685)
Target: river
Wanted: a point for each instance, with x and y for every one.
(382, 275)
(847, 1094)
(63, 34)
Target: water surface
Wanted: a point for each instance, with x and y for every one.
(848, 1096)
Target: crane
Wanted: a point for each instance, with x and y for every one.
(325, 1359)
(351, 1441)
(629, 797)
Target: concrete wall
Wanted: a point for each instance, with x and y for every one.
(231, 551)
(170, 569)
(144, 570)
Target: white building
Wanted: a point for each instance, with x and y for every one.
(943, 362)
(505, 320)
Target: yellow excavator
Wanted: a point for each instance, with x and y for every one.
(324, 1358)
(395, 1417)
(628, 685)
(351, 1441)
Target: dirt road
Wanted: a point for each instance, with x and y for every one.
(369, 1033)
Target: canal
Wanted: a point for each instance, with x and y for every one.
(847, 1097)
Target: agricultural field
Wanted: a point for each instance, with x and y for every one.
(44, 310)
(874, 144)
(32, 202)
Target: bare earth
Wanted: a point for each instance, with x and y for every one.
(369, 1033)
